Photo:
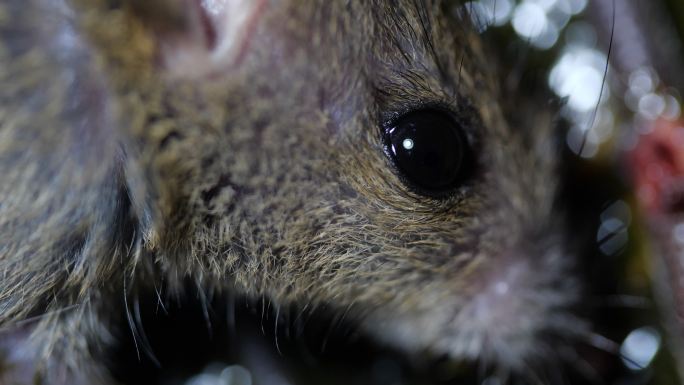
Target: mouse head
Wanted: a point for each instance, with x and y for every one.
(342, 154)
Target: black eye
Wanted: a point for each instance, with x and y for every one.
(429, 149)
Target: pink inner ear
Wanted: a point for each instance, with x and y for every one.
(208, 26)
(217, 39)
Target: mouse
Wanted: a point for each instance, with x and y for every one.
(355, 155)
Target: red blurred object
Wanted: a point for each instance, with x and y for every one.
(657, 165)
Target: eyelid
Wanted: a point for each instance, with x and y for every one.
(460, 110)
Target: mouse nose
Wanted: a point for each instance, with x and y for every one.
(526, 293)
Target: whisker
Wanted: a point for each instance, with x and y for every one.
(263, 311)
(334, 324)
(277, 315)
(37, 318)
(581, 365)
(607, 345)
(340, 322)
(532, 375)
(159, 300)
(603, 84)
(145, 342)
(622, 301)
(300, 322)
(129, 318)
(607, 237)
(602, 343)
(204, 302)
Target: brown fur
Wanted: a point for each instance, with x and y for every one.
(268, 177)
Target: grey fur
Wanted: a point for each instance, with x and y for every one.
(268, 179)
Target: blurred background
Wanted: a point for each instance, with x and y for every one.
(617, 69)
(614, 69)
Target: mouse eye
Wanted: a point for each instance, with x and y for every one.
(429, 149)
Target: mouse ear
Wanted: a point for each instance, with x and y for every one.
(199, 37)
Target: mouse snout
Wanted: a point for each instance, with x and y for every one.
(525, 297)
(511, 302)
